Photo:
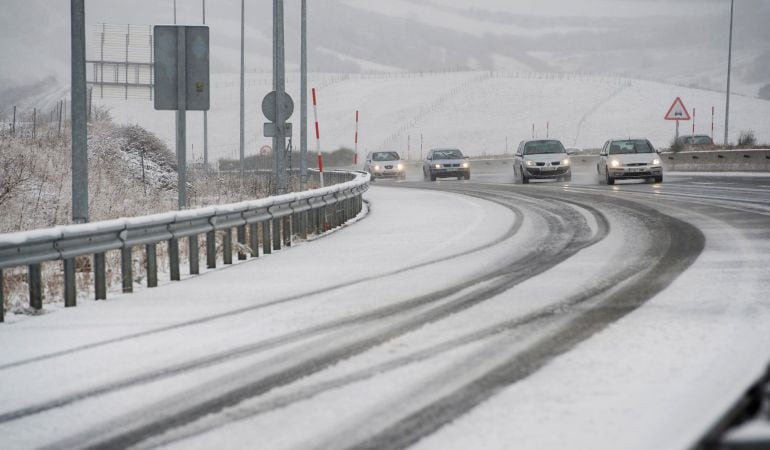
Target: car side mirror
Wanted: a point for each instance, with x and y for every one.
(603, 154)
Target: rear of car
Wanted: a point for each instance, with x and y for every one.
(385, 164)
(629, 159)
(446, 163)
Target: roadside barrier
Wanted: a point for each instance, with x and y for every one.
(749, 160)
(280, 218)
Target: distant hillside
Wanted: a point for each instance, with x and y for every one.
(472, 110)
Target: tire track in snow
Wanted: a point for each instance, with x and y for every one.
(684, 245)
(571, 235)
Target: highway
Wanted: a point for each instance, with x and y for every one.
(456, 314)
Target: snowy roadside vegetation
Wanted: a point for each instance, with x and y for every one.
(131, 173)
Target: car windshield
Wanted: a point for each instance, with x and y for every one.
(702, 140)
(540, 147)
(385, 156)
(447, 154)
(630, 147)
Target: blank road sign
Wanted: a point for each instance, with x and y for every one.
(196, 57)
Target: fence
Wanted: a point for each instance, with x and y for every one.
(280, 218)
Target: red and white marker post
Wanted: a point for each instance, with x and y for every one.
(355, 151)
(693, 122)
(318, 139)
(712, 124)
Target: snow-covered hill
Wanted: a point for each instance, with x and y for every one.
(475, 111)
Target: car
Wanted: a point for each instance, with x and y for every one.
(696, 142)
(444, 163)
(542, 159)
(385, 164)
(629, 159)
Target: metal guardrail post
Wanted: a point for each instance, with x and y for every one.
(152, 265)
(194, 255)
(287, 231)
(173, 257)
(126, 270)
(2, 297)
(241, 236)
(211, 249)
(35, 287)
(254, 239)
(227, 246)
(100, 277)
(277, 234)
(70, 287)
(266, 243)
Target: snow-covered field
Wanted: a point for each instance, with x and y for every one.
(475, 111)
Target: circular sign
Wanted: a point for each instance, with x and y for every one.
(265, 149)
(268, 107)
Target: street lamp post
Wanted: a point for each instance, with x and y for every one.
(729, 66)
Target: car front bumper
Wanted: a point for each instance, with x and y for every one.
(447, 172)
(548, 172)
(636, 172)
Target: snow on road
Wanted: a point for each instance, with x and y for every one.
(654, 379)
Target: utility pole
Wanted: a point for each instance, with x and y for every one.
(303, 101)
(78, 116)
(243, 95)
(174, 12)
(205, 117)
(279, 81)
(729, 66)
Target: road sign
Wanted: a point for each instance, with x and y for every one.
(265, 149)
(268, 107)
(271, 130)
(677, 111)
(193, 51)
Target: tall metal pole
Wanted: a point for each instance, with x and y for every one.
(78, 116)
(205, 116)
(174, 12)
(729, 66)
(181, 118)
(243, 94)
(279, 79)
(303, 101)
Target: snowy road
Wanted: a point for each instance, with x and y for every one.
(457, 315)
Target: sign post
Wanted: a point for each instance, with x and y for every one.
(181, 82)
(677, 112)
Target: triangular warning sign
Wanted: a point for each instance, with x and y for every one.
(677, 111)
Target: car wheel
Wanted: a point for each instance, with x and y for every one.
(659, 179)
(568, 178)
(610, 180)
(468, 176)
(524, 178)
(515, 176)
(432, 177)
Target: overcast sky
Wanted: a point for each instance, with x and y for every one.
(35, 33)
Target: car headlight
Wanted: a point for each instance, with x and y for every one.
(466, 165)
(400, 167)
(529, 163)
(438, 166)
(656, 162)
(565, 162)
(376, 167)
(615, 163)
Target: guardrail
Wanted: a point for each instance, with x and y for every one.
(279, 218)
(749, 160)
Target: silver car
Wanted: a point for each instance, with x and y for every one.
(444, 163)
(629, 159)
(385, 165)
(541, 159)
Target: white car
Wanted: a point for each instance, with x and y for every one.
(544, 159)
(385, 165)
(629, 159)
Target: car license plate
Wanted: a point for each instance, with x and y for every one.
(549, 168)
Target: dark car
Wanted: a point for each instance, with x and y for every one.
(541, 159)
(696, 142)
(446, 162)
